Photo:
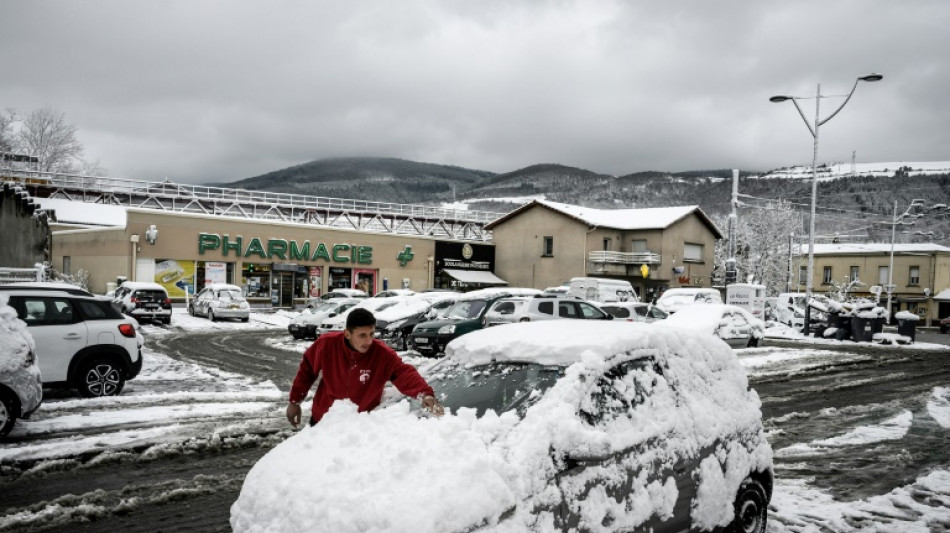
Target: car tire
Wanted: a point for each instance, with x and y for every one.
(211, 316)
(9, 411)
(100, 376)
(167, 321)
(246, 319)
(753, 342)
(191, 310)
(751, 508)
(944, 329)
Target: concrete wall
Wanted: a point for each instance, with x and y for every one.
(24, 237)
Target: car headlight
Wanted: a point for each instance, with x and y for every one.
(447, 330)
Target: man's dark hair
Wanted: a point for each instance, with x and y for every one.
(359, 318)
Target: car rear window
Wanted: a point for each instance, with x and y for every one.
(149, 296)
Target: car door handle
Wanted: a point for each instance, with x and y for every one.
(72, 336)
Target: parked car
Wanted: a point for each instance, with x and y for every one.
(21, 388)
(945, 324)
(466, 314)
(220, 300)
(305, 324)
(635, 311)
(395, 324)
(338, 322)
(527, 309)
(144, 300)
(46, 286)
(339, 293)
(730, 323)
(81, 341)
(550, 426)
(673, 300)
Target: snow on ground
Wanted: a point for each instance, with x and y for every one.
(182, 321)
(894, 428)
(775, 330)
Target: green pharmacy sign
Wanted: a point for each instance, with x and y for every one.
(284, 249)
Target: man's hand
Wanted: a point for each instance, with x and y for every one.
(431, 404)
(293, 414)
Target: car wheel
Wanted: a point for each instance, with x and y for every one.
(753, 342)
(751, 509)
(9, 410)
(191, 310)
(211, 316)
(944, 329)
(100, 376)
(167, 321)
(246, 319)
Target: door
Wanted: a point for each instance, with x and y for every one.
(365, 280)
(57, 330)
(284, 288)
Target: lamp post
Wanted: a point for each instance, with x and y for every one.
(813, 129)
(911, 218)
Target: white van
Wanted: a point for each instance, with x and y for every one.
(602, 290)
(748, 296)
(790, 308)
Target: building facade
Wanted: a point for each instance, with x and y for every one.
(920, 281)
(544, 244)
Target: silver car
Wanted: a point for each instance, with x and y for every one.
(220, 300)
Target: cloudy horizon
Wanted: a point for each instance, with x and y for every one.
(206, 92)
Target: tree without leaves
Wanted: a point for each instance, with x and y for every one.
(7, 136)
(46, 135)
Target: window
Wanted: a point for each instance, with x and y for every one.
(606, 244)
(692, 252)
(854, 274)
(67, 265)
(639, 246)
(548, 250)
(546, 308)
(589, 311)
(618, 392)
(566, 310)
(826, 275)
(802, 275)
(914, 275)
(882, 275)
(41, 311)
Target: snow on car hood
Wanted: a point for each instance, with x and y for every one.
(386, 470)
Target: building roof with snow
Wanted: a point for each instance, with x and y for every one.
(876, 248)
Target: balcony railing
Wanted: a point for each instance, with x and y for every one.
(624, 258)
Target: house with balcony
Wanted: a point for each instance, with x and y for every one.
(920, 282)
(543, 244)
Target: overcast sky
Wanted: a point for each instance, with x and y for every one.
(204, 92)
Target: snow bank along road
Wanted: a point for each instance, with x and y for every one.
(860, 435)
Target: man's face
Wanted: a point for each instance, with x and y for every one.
(360, 338)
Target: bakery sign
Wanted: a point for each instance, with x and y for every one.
(464, 256)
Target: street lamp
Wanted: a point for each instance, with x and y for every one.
(908, 219)
(813, 129)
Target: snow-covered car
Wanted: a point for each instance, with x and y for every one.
(81, 341)
(732, 324)
(395, 324)
(634, 311)
(394, 292)
(21, 388)
(551, 426)
(305, 324)
(144, 300)
(338, 321)
(673, 300)
(220, 300)
(339, 293)
(527, 309)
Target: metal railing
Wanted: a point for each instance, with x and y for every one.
(336, 212)
(625, 258)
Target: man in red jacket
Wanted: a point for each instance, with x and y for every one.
(354, 365)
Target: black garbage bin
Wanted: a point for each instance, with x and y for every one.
(877, 324)
(862, 329)
(843, 323)
(907, 327)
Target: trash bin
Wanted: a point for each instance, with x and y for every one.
(907, 325)
(862, 329)
(877, 325)
(843, 323)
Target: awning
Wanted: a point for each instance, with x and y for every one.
(483, 277)
(943, 295)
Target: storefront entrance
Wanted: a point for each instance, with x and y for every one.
(340, 278)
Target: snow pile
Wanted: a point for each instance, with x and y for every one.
(16, 343)
(907, 315)
(390, 470)
(939, 406)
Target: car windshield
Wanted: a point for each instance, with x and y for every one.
(466, 309)
(500, 387)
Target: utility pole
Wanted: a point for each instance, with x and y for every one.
(731, 262)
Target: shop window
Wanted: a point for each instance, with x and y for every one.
(826, 275)
(914, 275)
(548, 250)
(340, 278)
(692, 252)
(257, 278)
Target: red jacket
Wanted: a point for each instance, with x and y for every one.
(348, 374)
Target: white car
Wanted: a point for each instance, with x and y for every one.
(634, 311)
(732, 324)
(144, 300)
(675, 299)
(564, 425)
(338, 322)
(21, 388)
(527, 309)
(220, 300)
(81, 341)
(306, 323)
